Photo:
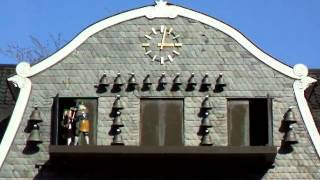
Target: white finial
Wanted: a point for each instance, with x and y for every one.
(161, 2)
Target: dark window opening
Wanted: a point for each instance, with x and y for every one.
(70, 132)
(161, 122)
(249, 122)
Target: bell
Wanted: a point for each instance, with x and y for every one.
(117, 120)
(35, 134)
(118, 80)
(117, 139)
(118, 103)
(103, 80)
(206, 140)
(290, 136)
(132, 80)
(205, 121)
(289, 116)
(35, 115)
(205, 80)
(192, 80)
(147, 80)
(205, 104)
(163, 79)
(220, 82)
(177, 80)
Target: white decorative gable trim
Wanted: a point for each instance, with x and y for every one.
(160, 10)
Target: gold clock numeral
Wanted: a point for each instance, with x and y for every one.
(175, 37)
(147, 36)
(162, 60)
(154, 58)
(170, 58)
(170, 31)
(148, 52)
(176, 52)
(145, 44)
(154, 31)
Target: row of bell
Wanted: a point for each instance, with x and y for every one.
(117, 122)
(162, 80)
(289, 119)
(206, 123)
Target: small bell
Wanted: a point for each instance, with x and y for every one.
(117, 120)
(117, 139)
(118, 80)
(192, 80)
(132, 80)
(103, 80)
(206, 121)
(163, 79)
(35, 115)
(146, 80)
(35, 135)
(289, 116)
(206, 140)
(205, 80)
(118, 104)
(177, 80)
(290, 136)
(220, 82)
(205, 104)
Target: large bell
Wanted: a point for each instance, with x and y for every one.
(220, 82)
(35, 135)
(205, 80)
(289, 116)
(117, 120)
(290, 136)
(205, 103)
(206, 139)
(147, 80)
(163, 79)
(104, 81)
(206, 121)
(132, 80)
(118, 104)
(117, 139)
(192, 80)
(118, 80)
(177, 80)
(35, 115)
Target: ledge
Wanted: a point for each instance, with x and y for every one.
(221, 154)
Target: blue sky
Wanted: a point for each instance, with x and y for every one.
(289, 30)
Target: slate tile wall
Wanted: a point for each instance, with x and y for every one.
(205, 50)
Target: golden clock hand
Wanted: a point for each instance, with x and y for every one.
(163, 37)
(169, 44)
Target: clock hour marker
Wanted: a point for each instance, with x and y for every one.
(175, 37)
(170, 57)
(170, 31)
(178, 44)
(148, 52)
(145, 44)
(176, 52)
(162, 29)
(154, 31)
(147, 36)
(154, 58)
(162, 60)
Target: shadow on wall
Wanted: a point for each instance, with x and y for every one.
(149, 168)
(3, 126)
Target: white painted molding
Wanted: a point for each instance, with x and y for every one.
(160, 10)
(25, 88)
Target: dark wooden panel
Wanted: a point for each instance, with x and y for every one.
(161, 122)
(238, 123)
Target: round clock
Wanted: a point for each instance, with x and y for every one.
(162, 44)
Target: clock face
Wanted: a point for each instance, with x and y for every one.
(162, 44)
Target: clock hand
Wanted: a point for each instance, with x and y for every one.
(163, 37)
(169, 44)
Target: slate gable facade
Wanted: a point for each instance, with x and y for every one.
(118, 49)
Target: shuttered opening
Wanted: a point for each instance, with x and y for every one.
(161, 122)
(248, 122)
